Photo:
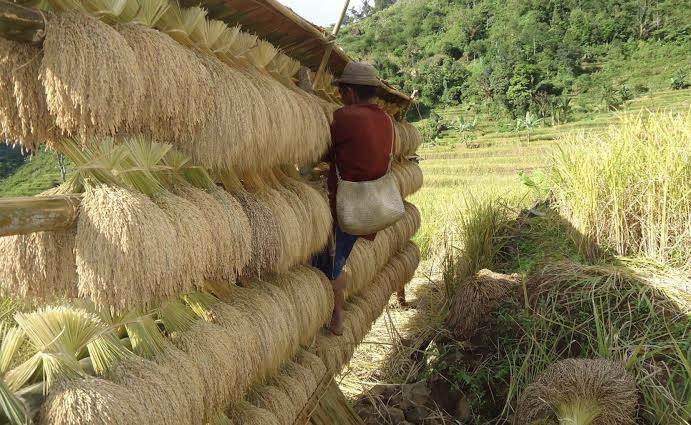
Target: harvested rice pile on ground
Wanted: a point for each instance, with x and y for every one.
(475, 299)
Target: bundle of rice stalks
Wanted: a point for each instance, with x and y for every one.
(276, 401)
(273, 328)
(126, 251)
(244, 41)
(39, 266)
(92, 80)
(266, 236)
(176, 86)
(408, 175)
(207, 34)
(261, 54)
(181, 23)
(475, 299)
(295, 389)
(288, 310)
(284, 69)
(220, 419)
(92, 401)
(195, 240)
(290, 229)
(318, 226)
(312, 296)
(313, 363)
(223, 365)
(408, 139)
(24, 116)
(158, 391)
(243, 413)
(304, 375)
(229, 230)
(580, 392)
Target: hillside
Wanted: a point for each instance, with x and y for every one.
(503, 58)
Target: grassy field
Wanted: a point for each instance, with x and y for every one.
(455, 174)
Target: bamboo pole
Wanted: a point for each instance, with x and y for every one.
(19, 216)
(21, 23)
(330, 47)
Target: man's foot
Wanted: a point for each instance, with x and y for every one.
(336, 325)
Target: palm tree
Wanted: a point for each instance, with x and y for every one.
(529, 123)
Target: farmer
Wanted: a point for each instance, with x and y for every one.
(361, 142)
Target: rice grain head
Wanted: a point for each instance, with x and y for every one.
(92, 401)
(176, 86)
(244, 413)
(92, 81)
(115, 228)
(580, 391)
(39, 266)
(294, 388)
(276, 401)
(314, 363)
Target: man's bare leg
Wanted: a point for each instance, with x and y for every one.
(400, 296)
(338, 285)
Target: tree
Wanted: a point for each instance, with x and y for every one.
(529, 123)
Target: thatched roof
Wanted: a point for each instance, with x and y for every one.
(284, 28)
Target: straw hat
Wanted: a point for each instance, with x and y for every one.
(359, 73)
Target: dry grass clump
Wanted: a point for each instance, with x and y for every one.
(92, 401)
(580, 392)
(39, 266)
(24, 116)
(408, 175)
(244, 413)
(475, 299)
(408, 139)
(176, 86)
(229, 230)
(126, 250)
(92, 80)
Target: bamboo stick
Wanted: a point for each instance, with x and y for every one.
(21, 23)
(23, 215)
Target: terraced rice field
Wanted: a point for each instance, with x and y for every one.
(454, 174)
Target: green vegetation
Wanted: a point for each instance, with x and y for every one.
(33, 175)
(501, 59)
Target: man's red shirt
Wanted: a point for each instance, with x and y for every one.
(361, 137)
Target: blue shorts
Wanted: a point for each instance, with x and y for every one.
(333, 258)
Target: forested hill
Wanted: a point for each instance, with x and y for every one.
(511, 56)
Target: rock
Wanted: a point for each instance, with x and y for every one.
(418, 393)
(444, 395)
(396, 415)
(417, 414)
(384, 392)
(366, 411)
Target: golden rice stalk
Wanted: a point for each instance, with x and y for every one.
(409, 177)
(225, 41)
(157, 390)
(202, 304)
(288, 311)
(14, 410)
(219, 361)
(301, 214)
(93, 83)
(144, 12)
(194, 238)
(117, 227)
(475, 299)
(303, 374)
(176, 317)
(276, 335)
(176, 86)
(290, 229)
(180, 23)
(225, 233)
(220, 419)
(146, 339)
(310, 291)
(188, 379)
(244, 41)
(294, 388)
(261, 54)
(24, 116)
(319, 221)
(92, 401)
(244, 413)
(276, 401)
(312, 362)
(207, 33)
(39, 266)
(580, 391)
(12, 339)
(240, 224)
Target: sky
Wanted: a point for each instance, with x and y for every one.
(320, 12)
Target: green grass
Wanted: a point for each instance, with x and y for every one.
(35, 175)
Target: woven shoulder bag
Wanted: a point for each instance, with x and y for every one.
(363, 208)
